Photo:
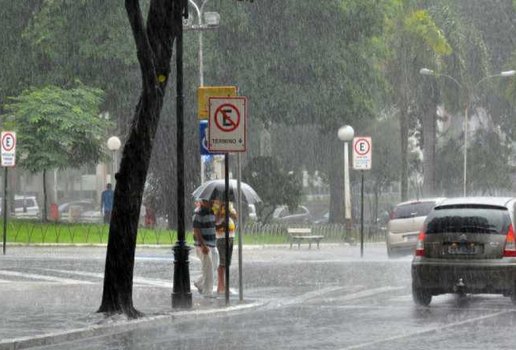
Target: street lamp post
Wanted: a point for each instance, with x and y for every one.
(113, 144)
(469, 96)
(346, 134)
(205, 21)
(181, 294)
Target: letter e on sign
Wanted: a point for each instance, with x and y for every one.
(8, 153)
(362, 153)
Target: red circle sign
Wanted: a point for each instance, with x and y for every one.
(224, 120)
(8, 142)
(362, 147)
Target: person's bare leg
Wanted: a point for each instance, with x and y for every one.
(220, 279)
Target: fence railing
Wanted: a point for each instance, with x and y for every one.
(31, 232)
(331, 232)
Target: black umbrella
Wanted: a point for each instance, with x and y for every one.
(215, 189)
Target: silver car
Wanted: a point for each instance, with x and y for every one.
(467, 245)
(404, 224)
(300, 215)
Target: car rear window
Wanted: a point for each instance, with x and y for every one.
(411, 210)
(477, 219)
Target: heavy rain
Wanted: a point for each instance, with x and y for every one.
(267, 174)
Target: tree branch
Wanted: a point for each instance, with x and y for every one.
(143, 48)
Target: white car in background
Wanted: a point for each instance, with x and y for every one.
(404, 225)
(25, 207)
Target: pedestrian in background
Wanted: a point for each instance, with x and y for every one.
(220, 225)
(204, 236)
(150, 216)
(106, 203)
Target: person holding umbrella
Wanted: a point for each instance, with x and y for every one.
(220, 226)
(205, 239)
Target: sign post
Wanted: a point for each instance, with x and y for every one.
(8, 159)
(227, 132)
(362, 160)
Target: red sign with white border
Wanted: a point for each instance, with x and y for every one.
(227, 124)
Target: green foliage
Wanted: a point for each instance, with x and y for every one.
(302, 73)
(386, 161)
(420, 24)
(488, 169)
(57, 42)
(81, 30)
(486, 174)
(273, 184)
(33, 232)
(57, 128)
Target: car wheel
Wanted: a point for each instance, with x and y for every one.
(421, 296)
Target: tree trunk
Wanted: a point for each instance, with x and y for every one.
(404, 151)
(429, 138)
(44, 216)
(154, 49)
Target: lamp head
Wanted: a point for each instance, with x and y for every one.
(113, 143)
(346, 133)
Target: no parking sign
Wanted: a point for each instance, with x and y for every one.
(362, 153)
(8, 154)
(227, 131)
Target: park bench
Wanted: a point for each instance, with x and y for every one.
(299, 235)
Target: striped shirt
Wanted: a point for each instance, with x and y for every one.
(204, 220)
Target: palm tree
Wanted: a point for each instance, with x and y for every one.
(414, 39)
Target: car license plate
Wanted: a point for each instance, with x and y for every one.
(410, 238)
(463, 249)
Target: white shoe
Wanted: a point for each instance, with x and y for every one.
(199, 289)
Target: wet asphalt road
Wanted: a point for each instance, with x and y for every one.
(312, 299)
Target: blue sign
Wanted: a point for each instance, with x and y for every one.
(203, 138)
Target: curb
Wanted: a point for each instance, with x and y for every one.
(116, 327)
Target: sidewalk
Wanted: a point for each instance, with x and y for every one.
(54, 314)
(43, 307)
(43, 312)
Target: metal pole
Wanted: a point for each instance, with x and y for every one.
(239, 227)
(201, 64)
(465, 148)
(5, 210)
(113, 167)
(347, 191)
(202, 170)
(201, 74)
(362, 216)
(181, 295)
(226, 218)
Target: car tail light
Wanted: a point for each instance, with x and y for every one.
(420, 246)
(510, 244)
